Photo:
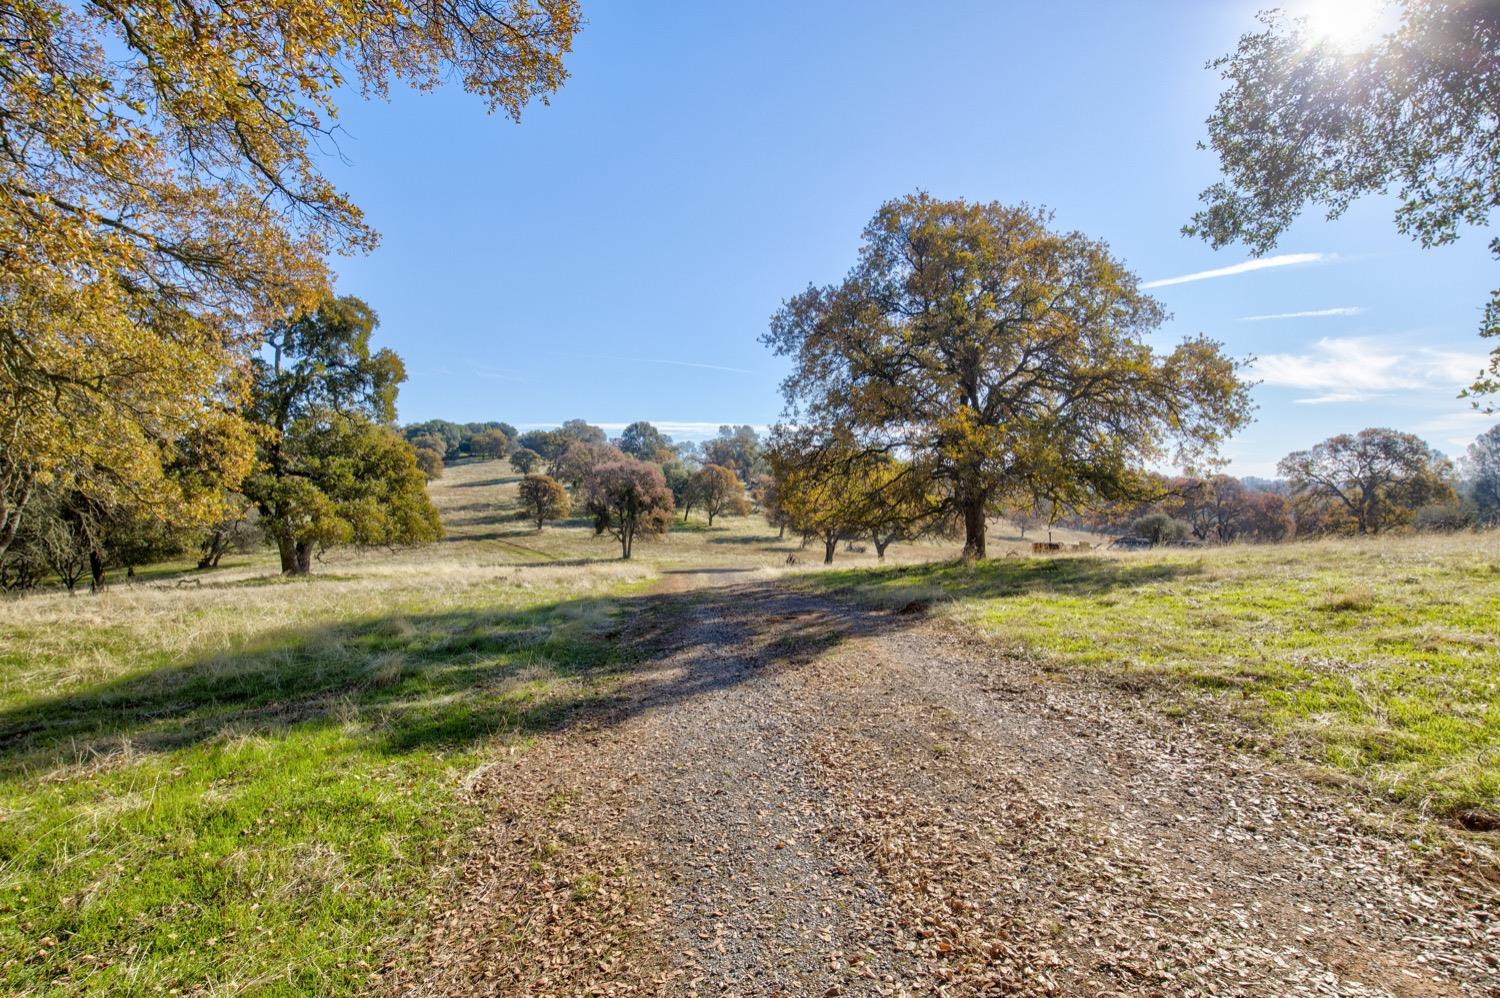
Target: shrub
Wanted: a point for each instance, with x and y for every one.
(1159, 528)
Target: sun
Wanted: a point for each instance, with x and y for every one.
(1346, 24)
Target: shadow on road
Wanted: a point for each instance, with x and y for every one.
(449, 679)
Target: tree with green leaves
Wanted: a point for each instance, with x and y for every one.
(543, 498)
(1306, 121)
(996, 357)
(720, 492)
(737, 448)
(489, 445)
(645, 442)
(1378, 478)
(161, 200)
(628, 499)
(331, 471)
(525, 460)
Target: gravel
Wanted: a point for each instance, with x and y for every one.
(796, 796)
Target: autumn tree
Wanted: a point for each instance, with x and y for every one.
(720, 492)
(430, 461)
(829, 487)
(628, 499)
(1482, 466)
(320, 394)
(582, 457)
(161, 201)
(1307, 122)
(543, 498)
(767, 495)
(1000, 357)
(1377, 477)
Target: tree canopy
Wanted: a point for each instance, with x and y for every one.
(628, 499)
(1377, 478)
(320, 396)
(161, 202)
(720, 492)
(1306, 122)
(543, 498)
(994, 355)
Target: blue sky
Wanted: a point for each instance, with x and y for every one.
(616, 255)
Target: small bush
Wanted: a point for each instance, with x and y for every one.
(1159, 528)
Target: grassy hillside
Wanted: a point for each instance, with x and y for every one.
(1378, 657)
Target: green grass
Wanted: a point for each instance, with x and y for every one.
(250, 789)
(1380, 657)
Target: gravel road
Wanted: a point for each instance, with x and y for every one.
(797, 796)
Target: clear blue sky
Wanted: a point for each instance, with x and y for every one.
(616, 255)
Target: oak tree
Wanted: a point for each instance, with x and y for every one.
(628, 499)
(543, 498)
(525, 460)
(720, 492)
(1482, 464)
(161, 201)
(319, 393)
(1378, 478)
(999, 357)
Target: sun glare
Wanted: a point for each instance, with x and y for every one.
(1346, 24)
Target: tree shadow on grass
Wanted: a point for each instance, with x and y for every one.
(484, 483)
(1007, 577)
(448, 680)
(405, 682)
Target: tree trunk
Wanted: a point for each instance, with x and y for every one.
(96, 571)
(974, 525)
(780, 534)
(710, 516)
(830, 545)
(880, 546)
(304, 557)
(626, 536)
(287, 549)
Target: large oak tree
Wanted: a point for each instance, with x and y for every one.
(997, 356)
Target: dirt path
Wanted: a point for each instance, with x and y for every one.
(798, 797)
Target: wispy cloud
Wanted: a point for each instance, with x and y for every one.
(1317, 313)
(1457, 429)
(683, 363)
(490, 373)
(1263, 263)
(1358, 368)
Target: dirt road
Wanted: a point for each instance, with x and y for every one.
(794, 796)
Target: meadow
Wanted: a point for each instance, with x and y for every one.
(228, 782)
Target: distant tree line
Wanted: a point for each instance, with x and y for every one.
(1372, 482)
